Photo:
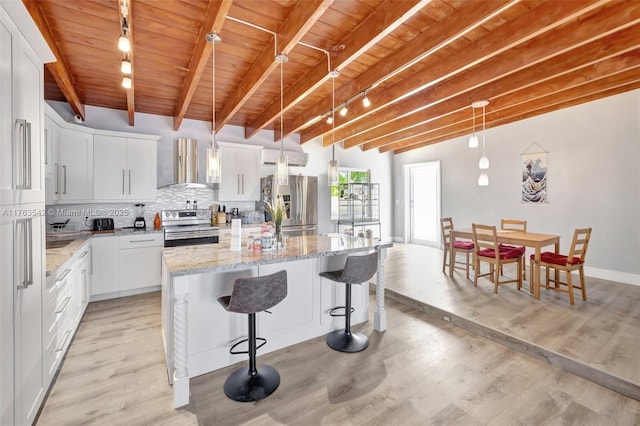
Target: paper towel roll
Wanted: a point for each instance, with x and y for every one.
(236, 243)
(236, 227)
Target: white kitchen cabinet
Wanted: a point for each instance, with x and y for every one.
(22, 54)
(125, 265)
(105, 266)
(51, 167)
(21, 275)
(240, 172)
(124, 168)
(140, 260)
(21, 112)
(75, 165)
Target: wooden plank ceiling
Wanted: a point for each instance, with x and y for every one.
(422, 63)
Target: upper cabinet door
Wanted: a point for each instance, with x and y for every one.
(109, 168)
(21, 112)
(142, 167)
(240, 174)
(75, 157)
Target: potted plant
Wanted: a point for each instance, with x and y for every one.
(277, 211)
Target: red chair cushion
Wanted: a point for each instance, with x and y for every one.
(557, 259)
(504, 254)
(521, 249)
(464, 245)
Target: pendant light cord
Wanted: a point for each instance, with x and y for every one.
(483, 128)
(333, 121)
(213, 92)
(281, 109)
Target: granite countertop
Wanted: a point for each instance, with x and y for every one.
(198, 259)
(56, 257)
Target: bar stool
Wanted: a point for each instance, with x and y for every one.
(357, 269)
(252, 295)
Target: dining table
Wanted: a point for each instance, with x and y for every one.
(519, 238)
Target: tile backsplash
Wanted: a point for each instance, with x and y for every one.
(123, 214)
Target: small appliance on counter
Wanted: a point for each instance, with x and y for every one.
(103, 224)
(139, 222)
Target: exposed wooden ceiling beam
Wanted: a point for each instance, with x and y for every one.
(299, 21)
(375, 27)
(550, 106)
(217, 13)
(591, 79)
(547, 16)
(480, 81)
(468, 16)
(59, 69)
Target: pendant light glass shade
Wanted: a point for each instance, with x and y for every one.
(333, 172)
(473, 141)
(282, 163)
(213, 164)
(483, 164)
(483, 180)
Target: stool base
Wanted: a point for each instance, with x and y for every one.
(342, 341)
(242, 387)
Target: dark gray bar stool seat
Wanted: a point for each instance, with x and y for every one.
(357, 269)
(252, 295)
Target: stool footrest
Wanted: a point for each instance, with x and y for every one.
(333, 314)
(232, 349)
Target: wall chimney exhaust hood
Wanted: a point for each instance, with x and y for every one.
(185, 167)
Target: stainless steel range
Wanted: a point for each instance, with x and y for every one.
(188, 227)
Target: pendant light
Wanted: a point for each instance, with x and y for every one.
(483, 164)
(125, 65)
(333, 163)
(473, 140)
(213, 154)
(365, 100)
(282, 165)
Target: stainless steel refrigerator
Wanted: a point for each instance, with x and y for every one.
(301, 197)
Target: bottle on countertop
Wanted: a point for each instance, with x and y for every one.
(188, 205)
(195, 204)
(157, 223)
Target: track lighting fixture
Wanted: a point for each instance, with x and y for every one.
(344, 110)
(330, 119)
(125, 65)
(126, 82)
(365, 100)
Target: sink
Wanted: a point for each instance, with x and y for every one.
(54, 244)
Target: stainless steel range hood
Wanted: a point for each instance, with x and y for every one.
(185, 167)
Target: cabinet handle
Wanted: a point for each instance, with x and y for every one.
(24, 249)
(64, 172)
(27, 142)
(83, 255)
(122, 181)
(142, 241)
(238, 175)
(57, 191)
(18, 178)
(243, 183)
(61, 308)
(63, 276)
(129, 181)
(64, 341)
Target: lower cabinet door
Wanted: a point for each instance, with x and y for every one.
(106, 265)
(140, 268)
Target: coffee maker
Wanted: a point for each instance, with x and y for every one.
(139, 222)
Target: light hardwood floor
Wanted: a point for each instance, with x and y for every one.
(422, 370)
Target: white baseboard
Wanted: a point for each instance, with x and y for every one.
(609, 275)
(123, 293)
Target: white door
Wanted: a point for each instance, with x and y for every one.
(424, 203)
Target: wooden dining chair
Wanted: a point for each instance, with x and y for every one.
(515, 225)
(571, 262)
(487, 249)
(465, 247)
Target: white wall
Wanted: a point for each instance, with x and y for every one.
(593, 180)
(379, 164)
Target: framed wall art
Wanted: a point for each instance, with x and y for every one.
(534, 175)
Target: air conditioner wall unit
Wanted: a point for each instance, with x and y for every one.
(296, 158)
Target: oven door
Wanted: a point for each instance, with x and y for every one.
(189, 235)
(189, 241)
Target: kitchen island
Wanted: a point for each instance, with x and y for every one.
(198, 332)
